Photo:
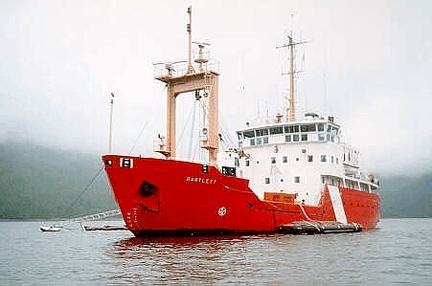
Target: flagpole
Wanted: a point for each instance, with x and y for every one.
(110, 124)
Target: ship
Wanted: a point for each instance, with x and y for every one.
(281, 171)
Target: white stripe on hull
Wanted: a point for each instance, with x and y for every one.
(337, 204)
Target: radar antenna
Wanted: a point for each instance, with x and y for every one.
(203, 57)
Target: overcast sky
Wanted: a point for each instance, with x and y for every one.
(368, 63)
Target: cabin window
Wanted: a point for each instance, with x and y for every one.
(259, 141)
(310, 158)
(288, 138)
(296, 138)
(249, 134)
(265, 140)
(285, 159)
(296, 179)
(239, 136)
(308, 128)
(247, 163)
(240, 144)
(273, 160)
(267, 181)
(236, 162)
(332, 159)
(252, 142)
(276, 130)
(261, 132)
(292, 129)
(304, 137)
(323, 158)
(321, 137)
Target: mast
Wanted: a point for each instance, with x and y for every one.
(181, 77)
(291, 116)
(190, 68)
(291, 110)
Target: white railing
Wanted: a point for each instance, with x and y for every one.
(177, 69)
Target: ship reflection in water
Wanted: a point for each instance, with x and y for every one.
(206, 260)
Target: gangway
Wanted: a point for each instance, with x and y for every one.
(97, 216)
(58, 226)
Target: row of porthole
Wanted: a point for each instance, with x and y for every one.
(323, 159)
(296, 180)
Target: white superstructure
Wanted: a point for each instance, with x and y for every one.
(298, 158)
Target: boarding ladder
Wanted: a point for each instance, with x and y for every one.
(97, 216)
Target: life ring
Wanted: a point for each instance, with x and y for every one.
(222, 211)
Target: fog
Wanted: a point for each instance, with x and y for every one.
(368, 63)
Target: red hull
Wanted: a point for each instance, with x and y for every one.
(167, 197)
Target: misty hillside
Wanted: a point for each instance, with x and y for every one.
(406, 196)
(40, 182)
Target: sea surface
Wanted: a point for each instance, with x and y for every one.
(398, 252)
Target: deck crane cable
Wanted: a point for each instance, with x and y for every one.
(85, 189)
(100, 171)
(186, 124)
(189, 154)
(144, 125)
(225, 134)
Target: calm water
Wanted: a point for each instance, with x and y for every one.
(400, 251)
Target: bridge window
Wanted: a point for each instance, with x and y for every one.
(259, 141)
(261, 132)
(321, 137)
(320, 127)
(304, 137)
(296, 138)
(252, 142)
(249, 134)
(308, 128)
(276, 130)
(265, 140)
(288, 138)
(292, 129)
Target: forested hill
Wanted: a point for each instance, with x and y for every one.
(40, 182)
(403, 196)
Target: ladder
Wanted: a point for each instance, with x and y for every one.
(97, 216)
